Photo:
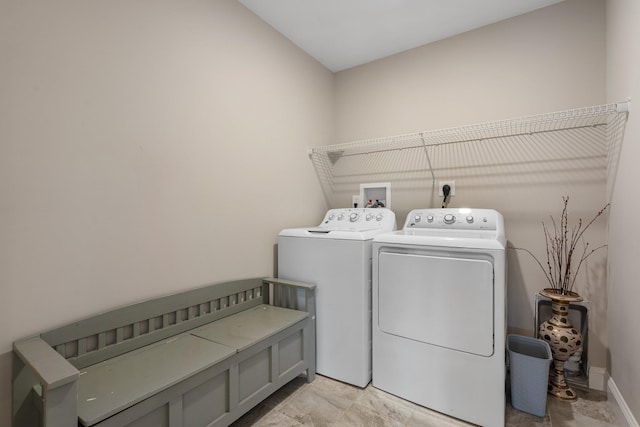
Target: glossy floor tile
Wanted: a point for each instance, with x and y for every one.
(329, 403)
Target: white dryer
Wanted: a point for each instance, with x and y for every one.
(439, 313)
(336, 256)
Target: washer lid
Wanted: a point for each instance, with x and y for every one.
(348, 224)
(324, 233)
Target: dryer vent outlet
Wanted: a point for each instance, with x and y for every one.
(452, 186)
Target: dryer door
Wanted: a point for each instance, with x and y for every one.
(439, 300)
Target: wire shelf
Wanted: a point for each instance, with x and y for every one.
(579, 144)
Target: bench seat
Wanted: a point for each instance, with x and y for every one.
(109, 387)
(244, 329)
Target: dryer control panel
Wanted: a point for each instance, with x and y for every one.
(450, 218)
(359, 219)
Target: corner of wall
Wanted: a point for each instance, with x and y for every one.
(623, 412)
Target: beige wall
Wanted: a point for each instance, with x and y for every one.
(146, 147)
(547, 60)
(623, 69)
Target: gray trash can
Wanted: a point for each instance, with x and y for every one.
(529, 361)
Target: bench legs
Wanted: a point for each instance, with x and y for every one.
(45, 389)
(60, 407)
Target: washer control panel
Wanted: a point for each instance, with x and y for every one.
(359, 219)
(462, 218)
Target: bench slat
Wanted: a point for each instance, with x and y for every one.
(146, 310)
(166, 316)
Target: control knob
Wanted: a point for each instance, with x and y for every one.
(429, 218)
(369, 217)
(470, 219)
(353, 217)
(449, 219)
(417, 218)
(379, 217)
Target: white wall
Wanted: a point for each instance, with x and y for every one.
(547, 60)
(623, 69)
(145, 147)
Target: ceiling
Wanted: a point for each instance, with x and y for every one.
(342, 34)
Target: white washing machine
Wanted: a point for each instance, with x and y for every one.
(336, 256)
(439, 313)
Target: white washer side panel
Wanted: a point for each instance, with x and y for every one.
(438, 300)
(341, 270)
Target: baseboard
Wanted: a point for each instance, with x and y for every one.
(598, 378)
(622, 405)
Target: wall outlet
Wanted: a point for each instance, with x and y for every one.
(355, 201)
(451, 184)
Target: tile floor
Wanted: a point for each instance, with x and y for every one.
(330, 403)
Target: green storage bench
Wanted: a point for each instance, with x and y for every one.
(202, 357)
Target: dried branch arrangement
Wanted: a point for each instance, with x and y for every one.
(563, 260)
